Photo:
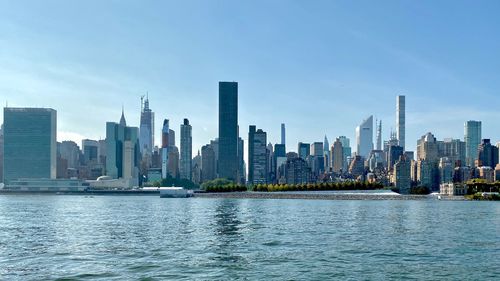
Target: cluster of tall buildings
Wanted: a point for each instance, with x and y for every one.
(28, 149)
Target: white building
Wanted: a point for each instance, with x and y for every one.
(364, 137)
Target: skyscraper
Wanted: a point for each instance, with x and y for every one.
(326, 153)
(30, 145)
(402, 175)
(400, 120)
(257, 155)
(303, 150)
(186, 150)
(228, 130)
(364, 137)
(164, 148)
(487, 154)
(379, 135)
(122, 151)
(208, 165)
(283, 133)
(346, 149)
(337, 156)
(146, 128)
(1, 153)
(472, 138)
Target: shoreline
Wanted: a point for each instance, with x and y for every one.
(301, 195)
(312, 196)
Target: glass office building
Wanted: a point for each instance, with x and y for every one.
(30, 144)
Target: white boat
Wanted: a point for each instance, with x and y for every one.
(174, 192)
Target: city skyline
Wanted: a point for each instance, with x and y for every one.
(362, 69)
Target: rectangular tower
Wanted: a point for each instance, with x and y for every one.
(400, 120)
(30, 145)
(472, 138)
(228, 130)
(283, 133)
(186, 150)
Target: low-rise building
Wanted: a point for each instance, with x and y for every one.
(451, 189)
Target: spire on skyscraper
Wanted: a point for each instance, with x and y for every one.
(122, 119)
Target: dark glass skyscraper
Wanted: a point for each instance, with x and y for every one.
(228, 130)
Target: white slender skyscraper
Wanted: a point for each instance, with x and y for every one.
(364, 137)
(400, 120)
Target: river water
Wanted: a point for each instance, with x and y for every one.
(54, 237)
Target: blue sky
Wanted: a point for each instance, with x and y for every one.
(319, 66)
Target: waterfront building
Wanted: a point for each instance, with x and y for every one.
(304, 150)
(186, 150)
(337, 156)
(452, 189)
(123, 151)
(402, 175)
(29, 143)
(228, 130)
(165, 131)
(487, 154)
(257, 155)
(472, 138)
(400, 120)
(446, 170)
(146, 128)
(208, 164)
(364, 137)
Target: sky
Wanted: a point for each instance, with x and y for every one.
(320, 67)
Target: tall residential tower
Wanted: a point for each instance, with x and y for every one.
(186, 150)
(400, 120)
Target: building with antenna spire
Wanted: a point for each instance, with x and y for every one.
(146, 128)
(122, 151)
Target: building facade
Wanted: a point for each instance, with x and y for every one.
(400, 120)
(186, 150)
(257, 156)
(228, 131)
(30, 146)
(364, 137)
(472, 138)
